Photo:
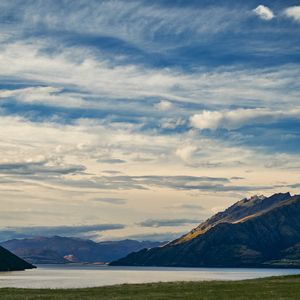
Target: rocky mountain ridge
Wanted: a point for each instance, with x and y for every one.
(256, 232)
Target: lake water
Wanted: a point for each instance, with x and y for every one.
(71, 276)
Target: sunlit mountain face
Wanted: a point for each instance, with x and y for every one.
(255, 232)
(140, 119)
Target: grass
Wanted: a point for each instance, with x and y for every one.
(269, 288)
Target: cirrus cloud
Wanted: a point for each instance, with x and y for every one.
(168, 222)
(74, 231)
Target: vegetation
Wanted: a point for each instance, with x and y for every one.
(270, 288)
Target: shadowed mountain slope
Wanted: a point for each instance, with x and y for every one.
(11, 262)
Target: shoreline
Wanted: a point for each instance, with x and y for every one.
(107, 265)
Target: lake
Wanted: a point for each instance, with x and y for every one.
(81, 276)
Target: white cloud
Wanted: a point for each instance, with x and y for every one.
(237, 118)
(186, 153)
(293, 12)
(264, 12)
(207, 120)
(164, 105)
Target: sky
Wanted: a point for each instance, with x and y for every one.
(139, 119)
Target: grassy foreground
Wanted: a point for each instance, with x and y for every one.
(271, 288)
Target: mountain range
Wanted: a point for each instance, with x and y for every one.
(256, 232)
(59, 250)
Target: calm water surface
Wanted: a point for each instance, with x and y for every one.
(68, 276)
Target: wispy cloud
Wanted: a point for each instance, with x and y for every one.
(38, 168)
(180, 183)
(128, 81)
(46, 96)
(167, 222)
(161, 237)
(187, 206)
(25, 232)
(133, 21)
(114, 201)
(111, 160)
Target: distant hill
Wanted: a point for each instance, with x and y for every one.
(57, 250)
(256, 232)
(10, 262)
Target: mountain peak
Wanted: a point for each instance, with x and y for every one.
(253, 198)
(240, 210)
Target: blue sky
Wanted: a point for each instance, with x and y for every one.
(130, 113)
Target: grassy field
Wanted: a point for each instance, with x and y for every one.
(271, 288)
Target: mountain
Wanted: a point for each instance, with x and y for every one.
(53, 250)
(11, 262)
(256, 232)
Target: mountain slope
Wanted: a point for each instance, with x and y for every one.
(253, 232)
(235, 213)
(52, 250)
(10, 262)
